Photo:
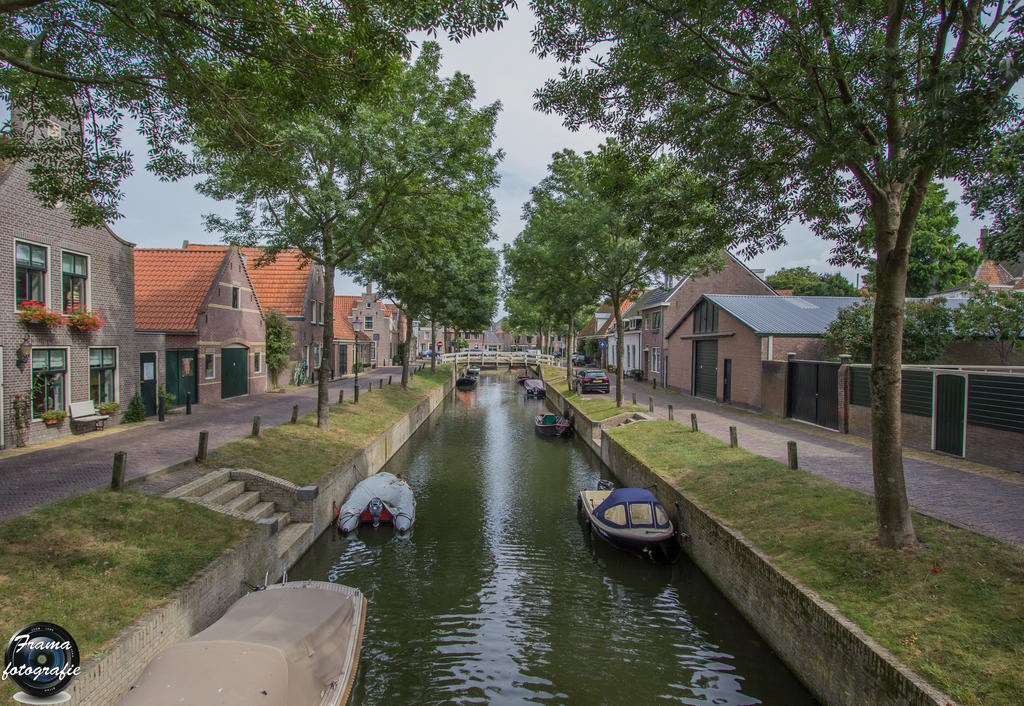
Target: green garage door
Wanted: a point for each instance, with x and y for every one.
(950, 402)
(705, 369)
(234, 379)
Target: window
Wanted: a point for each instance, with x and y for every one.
(102, 375)
(321, 314)
(257, 361)
(616, 515)
(368, 323)
(29, 272)
(316, 356)
(640, 514)
(373, 351)
(655, 320)
(236, 296)
(705, 318)
(74, 274)
(312, 311)
(210, 366)
(655, 359)
(49, 372)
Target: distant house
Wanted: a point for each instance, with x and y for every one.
(381, 323)
(62, 268)
(350, 346)
(293, 286)
(202, 302)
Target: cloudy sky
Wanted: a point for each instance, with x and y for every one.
(503, 69)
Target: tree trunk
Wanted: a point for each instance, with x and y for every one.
(569, 351)
(433, 346)
(323, 419)
(405, 353)
(895, 525)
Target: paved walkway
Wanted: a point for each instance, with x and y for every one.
(35, 478)
(986, 499)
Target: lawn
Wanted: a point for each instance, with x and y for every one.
(95, 563)
(953, 610)
(303, 454)
(598, 407)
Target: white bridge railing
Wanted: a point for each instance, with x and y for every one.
(500, 358)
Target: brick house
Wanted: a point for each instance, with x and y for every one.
(61, 266)
(202, 301)
(381, 323)
(675, 364)
(293, 286)
(345, 339)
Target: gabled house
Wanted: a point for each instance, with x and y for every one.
(350, 346)
(202, 301)
(632, 325)
(293, 286)
(382, 324)
(68, 272)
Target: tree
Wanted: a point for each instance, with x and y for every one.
(993, 315)
(343, 178)
(221, 67)
(805, 283)
(997, 188)
(926, 332)
(278, 343)
(850, 333)
(822, 111)
(939, 260)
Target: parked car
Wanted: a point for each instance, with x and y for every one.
(579, 359)
(592, 380)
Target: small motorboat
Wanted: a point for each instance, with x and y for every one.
(534, 388)
(473, 370)
(552, 425)
(628, 518)
(382, 497)
(522, 378)
(466, 382)
(290, 643)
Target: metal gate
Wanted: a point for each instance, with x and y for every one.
(813, 394)
(705, 369)
(234, 380)
(950, 403)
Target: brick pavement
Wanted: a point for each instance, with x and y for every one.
(38, 478)
(985, 499)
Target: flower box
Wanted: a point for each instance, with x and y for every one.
(53, 417)
(82, 319)
(32, 312)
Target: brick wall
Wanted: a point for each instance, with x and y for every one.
(977, 353)
(110, 291)
(832, 656)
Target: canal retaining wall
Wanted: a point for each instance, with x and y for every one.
(836, 659)
(107, 677)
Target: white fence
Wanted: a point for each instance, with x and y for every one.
(500, 358)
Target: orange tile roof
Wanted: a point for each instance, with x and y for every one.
(343, 305)
(342, 326)
(784, 292)
(170, 286)
(280, 284)
(991, 272)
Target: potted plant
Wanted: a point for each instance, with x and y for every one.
(32, 312)
(53, 417)
(82, 319)
(109, 407)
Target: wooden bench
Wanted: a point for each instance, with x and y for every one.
(86, 413)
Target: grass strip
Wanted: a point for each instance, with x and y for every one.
(95, 563)
(302, 454)
(953, 609)
(597, 408)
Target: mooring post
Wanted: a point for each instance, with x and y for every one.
(295, 413)
(160, 409)
(693, 420)
(341, 396)
(634, 398)
(256, 425)
(389, 379)
(733, 438)
(117, 476)
(793, 465)
(204, 437)
(381, 385)
(188, 403)
(671, 413)
(654, 383)
(650, 404)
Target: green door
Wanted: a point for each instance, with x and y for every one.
(705, 369)
(181, 376)
(234, 380)
(950, 400)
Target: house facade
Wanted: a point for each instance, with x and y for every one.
(381, 324)
(203, 304)
(67, 270)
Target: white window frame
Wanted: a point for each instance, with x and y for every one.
(14, 274)
(257, 361)
(88, 278)
(236, 296)
(655, 359)
(117, 370)
(212, 356)
(367, 323)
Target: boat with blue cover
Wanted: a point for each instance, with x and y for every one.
(534, 388)
(631, 519)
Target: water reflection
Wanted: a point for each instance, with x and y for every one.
(497, 596)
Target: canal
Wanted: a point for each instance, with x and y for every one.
(498, 596)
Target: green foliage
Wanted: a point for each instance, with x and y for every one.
(135, 411)
(806, 283)
(278, 343)
(850, 333)
(168, 397)
(926, 332)
(222, 70)
(996, 315)
(998, 189)
(938, 258)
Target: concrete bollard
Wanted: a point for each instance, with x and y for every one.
(295, 413)
(671, 413)
(693, 421)
(161, 409)
(634, 398)
(793, 464)
(733, 438)
(650, 404)
(256, 425)
(204, 437)
(381, 386)
(341, 396)
(389, 379)
(117, 475)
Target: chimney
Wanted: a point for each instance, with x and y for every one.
(184, 245)
(369, 287)
(982, 238)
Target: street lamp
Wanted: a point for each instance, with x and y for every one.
(355, 368)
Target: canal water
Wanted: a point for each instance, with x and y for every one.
(498, 596)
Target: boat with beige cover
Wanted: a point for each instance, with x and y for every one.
(289, 644)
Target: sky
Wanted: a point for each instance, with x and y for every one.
(158, 214)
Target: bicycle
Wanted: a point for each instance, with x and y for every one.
(300, 375)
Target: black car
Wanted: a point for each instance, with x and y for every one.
(592, 380)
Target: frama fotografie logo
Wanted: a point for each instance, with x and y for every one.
(42, 659)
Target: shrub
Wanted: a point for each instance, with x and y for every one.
(135, 412)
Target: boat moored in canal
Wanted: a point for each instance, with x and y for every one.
(631, 519)
(290, 643)
(522, 378)
(466, 382)
(534, 388)
(381, 498)
(552, 425)
(473, 370)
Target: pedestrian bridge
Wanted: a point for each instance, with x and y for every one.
(499, 358)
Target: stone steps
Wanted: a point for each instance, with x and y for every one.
(244, 501)
(223, 494)
(261, 509)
